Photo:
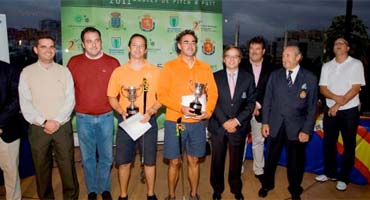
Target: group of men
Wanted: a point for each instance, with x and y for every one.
(278, 107)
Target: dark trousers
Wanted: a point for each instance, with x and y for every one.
(295, 161)
(236, 151)
(346, 122)
(42, 146)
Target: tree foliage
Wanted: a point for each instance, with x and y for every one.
(359, 38)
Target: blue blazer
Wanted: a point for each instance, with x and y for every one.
(294, 106)
(241, 106)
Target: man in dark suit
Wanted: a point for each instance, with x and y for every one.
(289, 109)
(10, 130)
(229, 124)
(261, 69)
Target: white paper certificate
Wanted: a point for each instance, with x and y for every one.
(134, 127)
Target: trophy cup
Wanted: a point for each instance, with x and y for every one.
(131, 93)
(199, 90)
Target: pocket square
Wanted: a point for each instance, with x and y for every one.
(244, 95)
(303, 93)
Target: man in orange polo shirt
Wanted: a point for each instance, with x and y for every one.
(132, 73)
(175, 83)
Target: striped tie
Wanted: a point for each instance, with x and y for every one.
(289, 79)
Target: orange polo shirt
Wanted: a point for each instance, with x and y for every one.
(174, 82)
(125, 76)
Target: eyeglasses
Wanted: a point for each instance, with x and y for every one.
(340, 43)
(139, 46)
(231, 57)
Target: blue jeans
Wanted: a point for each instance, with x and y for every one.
(95, 133)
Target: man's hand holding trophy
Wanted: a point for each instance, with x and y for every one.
(195, 107)
(131, 93)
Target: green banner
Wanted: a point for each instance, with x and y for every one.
(178, 5)
(159, 20)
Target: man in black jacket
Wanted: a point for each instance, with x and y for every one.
(229, 124)
(10, 129)
(260, 68)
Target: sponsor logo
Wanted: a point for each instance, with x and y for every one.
(196, 25)
(73, 44)
(208, 47)
(116, 42)
(115, 19)
(147, 23)
(174, 21)
(173, 24)
(81, 18)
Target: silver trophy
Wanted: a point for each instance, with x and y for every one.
(198, 89)
(131, 93)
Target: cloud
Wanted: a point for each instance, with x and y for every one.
(24, 13)
(271, 18)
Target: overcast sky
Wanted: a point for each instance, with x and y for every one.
(269, 18)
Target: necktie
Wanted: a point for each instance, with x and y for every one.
(231, 84)
(289, 79)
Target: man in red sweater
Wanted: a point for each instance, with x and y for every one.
(91, 71)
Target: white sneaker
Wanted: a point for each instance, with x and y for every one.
(321, 178)
(324, 178)
(341, 186)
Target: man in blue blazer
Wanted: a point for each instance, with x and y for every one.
(288, 119)
(229, 124)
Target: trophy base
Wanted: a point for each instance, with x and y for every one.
(197, 108)
(132, 111)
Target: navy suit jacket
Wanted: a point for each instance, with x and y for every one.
(10, 117)
(266, 70)
(240, 106)
(294, 106)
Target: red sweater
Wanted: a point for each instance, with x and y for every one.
(91, 79)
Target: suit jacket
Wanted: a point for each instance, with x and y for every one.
(240, 106)
(294, 106)
(266, 70)
(9, 103)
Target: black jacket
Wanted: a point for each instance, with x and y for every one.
(266, 70)
(240, 106)
(10, 116)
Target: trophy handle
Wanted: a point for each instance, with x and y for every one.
(140, 90)
(122, 91)
(191, 85)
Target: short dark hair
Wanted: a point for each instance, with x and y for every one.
(257, 40)
(89, 29)
(44, 37)
(228, 47)
(138, 35)
(186, 32)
